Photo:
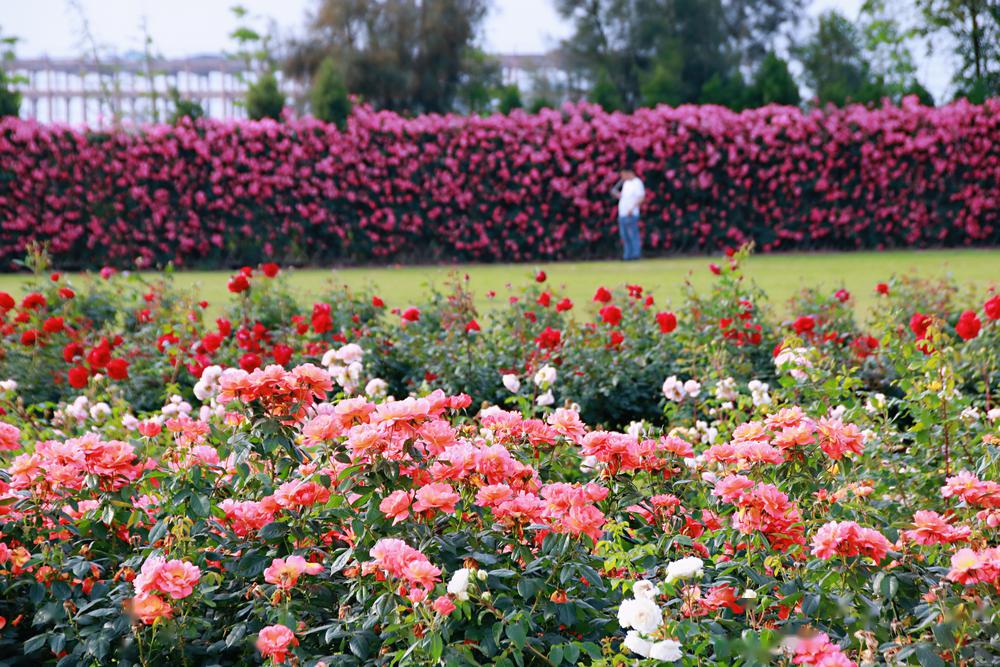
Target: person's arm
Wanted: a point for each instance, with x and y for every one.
(616, 191)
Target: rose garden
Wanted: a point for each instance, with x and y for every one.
(515, 477)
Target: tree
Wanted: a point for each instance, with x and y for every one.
(887, 47)
(510, 98)
(328, 97)
(10, 99)
(264, 98)
(833, 63)
(974, 26)
(654, 51)
(605, 94)
(773, 83)
(184, 108)
(406, 55)
(479, 81)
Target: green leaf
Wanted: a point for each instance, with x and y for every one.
(273, 531)
(556, 655)
(517, 635)
(927, 657)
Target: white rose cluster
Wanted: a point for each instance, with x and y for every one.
(685, 568)
(759, 392)
(794, 361)
(676, 391)
(641, 616)
(544, 378)
(344, 366)
(207, 386)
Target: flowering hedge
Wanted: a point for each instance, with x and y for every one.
(516, 187)
(319, 487)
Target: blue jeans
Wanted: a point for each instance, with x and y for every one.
(628, 227)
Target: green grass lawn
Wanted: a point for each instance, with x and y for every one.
(780, 275)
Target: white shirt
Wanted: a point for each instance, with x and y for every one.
(632, 194)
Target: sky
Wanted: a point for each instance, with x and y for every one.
(189, 27)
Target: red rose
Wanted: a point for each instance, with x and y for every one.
(549, 338)
(53, 325)
(34, 300)
(882, 288)
(238, 283)
(66, 293)
(616, 338)
(842, 295)
(211, 341)
(411, 314)
(919, 324)
(118, 369)
(544, 300)
(992, 308)
(472, 326)
(72, 351)
(6, 301)
(78, 377)
(540, 277)
(714, 268)
(804, 324)
(564, 305)
(54, 277)
(29, 337)
(602, 295)
(377, 302)
(611, 314)
(667, 322)
(224, 326)
(282, 353)
(270, 269)
(249, 362)
(968, 325)
(99, 356)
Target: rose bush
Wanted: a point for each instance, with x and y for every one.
(545, 483)
(500, 188)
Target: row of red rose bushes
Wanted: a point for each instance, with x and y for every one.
(518, 187)
(534, 344)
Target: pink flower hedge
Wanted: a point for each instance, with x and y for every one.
(522, 187)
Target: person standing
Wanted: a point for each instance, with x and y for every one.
(630, 193)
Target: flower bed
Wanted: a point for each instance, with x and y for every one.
(501, 188)
(553, 483)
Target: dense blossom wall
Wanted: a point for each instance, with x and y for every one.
(522, 187)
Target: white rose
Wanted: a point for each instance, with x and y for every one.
(350, 353)
(329, 358)
(545, 376)
(376, 387)
(545, 399)
(667, 650)
(459, 584)
(637, 644)
(645, 589)
(511, 383)
(643, 615)
(673, 389)
(725, 390)
(692, 388)
(993, 415)
(685, 568)
(8, 385)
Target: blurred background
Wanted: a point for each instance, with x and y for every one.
(113, 61)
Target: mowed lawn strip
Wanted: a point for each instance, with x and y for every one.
(781, 276)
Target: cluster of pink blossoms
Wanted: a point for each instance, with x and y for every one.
(401, 561)
(281, 392)
(932, 528)
(10, 437)
(819, 651)
(285, 572)
(762, 508)
(157, 579)
(969, 567)
(771, 440)
(57, 466)
(620, 452)
(847, 539)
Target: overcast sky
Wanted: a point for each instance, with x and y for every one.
(187, 27)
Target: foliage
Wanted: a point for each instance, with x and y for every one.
(834, 65)
(330, 101)
(510, 98)
(406, 56)
(264, 98)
